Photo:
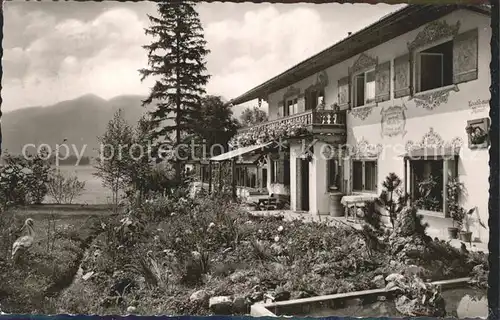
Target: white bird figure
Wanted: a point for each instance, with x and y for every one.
(25, 242)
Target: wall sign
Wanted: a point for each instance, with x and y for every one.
(477, 133)
(393, 121)
(479, 105)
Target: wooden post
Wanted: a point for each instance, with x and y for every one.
(210, 177)
(233, 178)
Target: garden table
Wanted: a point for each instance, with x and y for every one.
(262, 201)
(354, 202)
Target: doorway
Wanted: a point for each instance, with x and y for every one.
(304, 184)
(264, 178)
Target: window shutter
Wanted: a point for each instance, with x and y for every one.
(301, 104)
(383, 82)
(343, 87)
(281, 109)
(402, 76)
(465, 56)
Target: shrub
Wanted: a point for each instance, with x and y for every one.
(64, 189)
(23, 180)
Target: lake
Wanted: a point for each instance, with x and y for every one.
(94, 192)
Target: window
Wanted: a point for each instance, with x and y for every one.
(427, 184)
(434, 67)
(292, 107)
(334, 171)
(281, 111)
(364, 88)
(314, 98)
(364, 175)
(286, 173)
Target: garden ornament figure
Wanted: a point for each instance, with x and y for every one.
(25, 242)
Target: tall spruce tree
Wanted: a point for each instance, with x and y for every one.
(176, 60)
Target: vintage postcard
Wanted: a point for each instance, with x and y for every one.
(249, 159)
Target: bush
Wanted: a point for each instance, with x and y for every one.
(24, 180)
(64, 189)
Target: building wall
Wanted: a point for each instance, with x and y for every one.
(448, 119)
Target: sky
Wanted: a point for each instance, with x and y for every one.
(56, 51)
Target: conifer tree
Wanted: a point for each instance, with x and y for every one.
(176, 60)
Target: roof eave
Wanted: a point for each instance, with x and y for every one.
(261, 91)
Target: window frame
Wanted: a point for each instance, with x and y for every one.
(416, 65)
(363, 175)
(294, 104)
(355, 88)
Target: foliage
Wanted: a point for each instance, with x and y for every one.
(176, 60)
(64, 189)
(392, 198)
(253, 116)
(269, 132)
(454, 190)
(410, 223)
(426, 200)
(23, 180)
(216, 126)
(115, 158)
(159, 252)
(416, 298)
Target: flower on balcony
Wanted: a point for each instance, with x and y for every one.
(270, 132)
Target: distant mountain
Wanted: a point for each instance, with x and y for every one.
(79, 121)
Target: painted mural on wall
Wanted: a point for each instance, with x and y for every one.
(361, 112)
(364, 149)
(432, 139)
(393, 121)
(479, 105)
(431, 100)
(477, 133)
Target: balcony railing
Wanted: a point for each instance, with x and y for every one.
(329, 122)
(327, 118)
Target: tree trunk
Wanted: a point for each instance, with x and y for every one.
(178, 108)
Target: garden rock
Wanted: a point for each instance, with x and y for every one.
(406, 306)
(200, 296)
(237, 277)
(222, 305)
(241, 305)
(379, 282)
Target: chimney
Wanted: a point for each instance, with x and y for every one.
(349, 34)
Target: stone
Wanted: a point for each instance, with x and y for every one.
(222, 305)
(88, 275)
(241, 305)
(394, 277)
(131, 309)
(353, 302)
(237, 277)
(200, 296)
(379, 281)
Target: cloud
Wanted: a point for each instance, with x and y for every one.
(50, 56)
(99, 56)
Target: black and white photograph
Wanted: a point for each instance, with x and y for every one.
(248, 159)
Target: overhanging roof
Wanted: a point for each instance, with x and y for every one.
(239, 152)
(385, 29)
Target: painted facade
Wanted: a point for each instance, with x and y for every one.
(399, 118)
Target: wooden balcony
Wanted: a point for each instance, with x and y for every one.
(325, 122)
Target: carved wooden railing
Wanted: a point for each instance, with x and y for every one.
(309, 118)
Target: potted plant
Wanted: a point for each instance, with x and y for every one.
(466, 234)
(453, 190)
(457, 215)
